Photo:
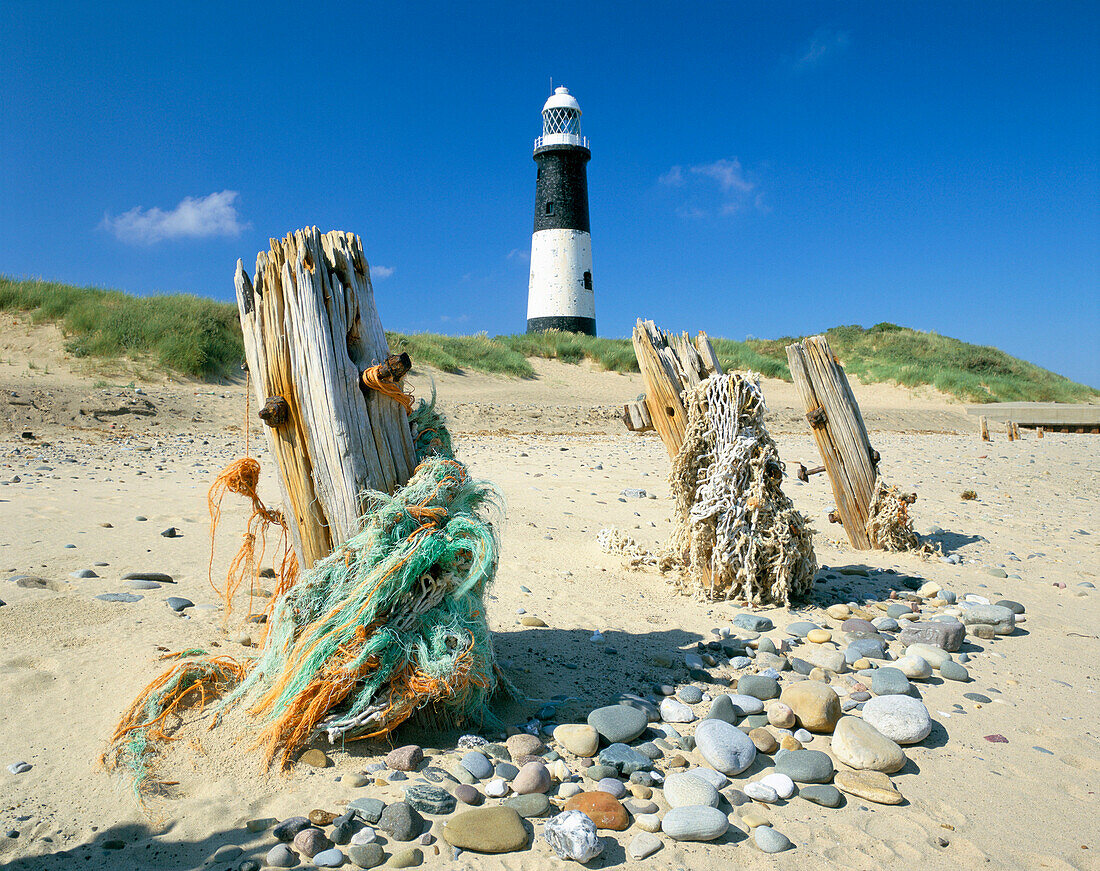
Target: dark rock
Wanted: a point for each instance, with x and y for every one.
(401, 821)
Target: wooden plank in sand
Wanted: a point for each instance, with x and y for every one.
(669, 365)
(310, 328)
(839, 431)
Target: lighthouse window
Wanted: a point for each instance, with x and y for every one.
(587, 280)
(550, 208)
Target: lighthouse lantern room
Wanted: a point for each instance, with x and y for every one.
(560, 295)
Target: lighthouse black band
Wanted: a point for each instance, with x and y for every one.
(561, 190)
(567, 324)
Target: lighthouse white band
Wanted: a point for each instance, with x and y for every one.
(559, 261)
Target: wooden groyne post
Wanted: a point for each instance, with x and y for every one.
(310, 330)
(838, 428)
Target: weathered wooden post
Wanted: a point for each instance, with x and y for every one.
(670, 364)
(983, 428)
(310, 330)
(839, 431)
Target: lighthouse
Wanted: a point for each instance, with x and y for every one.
(559, 295)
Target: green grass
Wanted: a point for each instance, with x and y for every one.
(202, 338)
(974, 373)
(187, 334)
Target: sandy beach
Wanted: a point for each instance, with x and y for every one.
(93, 472)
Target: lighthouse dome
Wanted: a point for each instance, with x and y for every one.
(561, 121)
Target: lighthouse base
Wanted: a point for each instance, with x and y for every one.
(565, 323)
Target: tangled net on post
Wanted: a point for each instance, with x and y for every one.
(392, 624)
(735, 527)
(888, 523)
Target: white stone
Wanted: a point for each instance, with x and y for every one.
(568, 790)
(643, 845)
(715, 778)
(673, 711)
(694, 824)
(572, 835)
(914, 667)
(687, 790)
(365, 835)
(783, 785)
(496, 788)
(648, 822)
(902, 719)
(760, 792)
(934, 656)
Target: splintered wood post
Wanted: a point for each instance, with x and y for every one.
(310, 329)
(669, 365)
(1039, 432)
(983, 429)
(1010, 431)
(839, 431)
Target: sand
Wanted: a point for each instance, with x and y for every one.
(70, 664)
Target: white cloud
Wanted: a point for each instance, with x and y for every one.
(381, 273)
(721, 187)
(458, 319)
(727, 173)
(822, 45)
(519, 254)
(673, 178)
(194, 217)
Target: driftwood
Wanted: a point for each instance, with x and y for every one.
(636, 417)
(671, 364)
(839, 431)
(310, 329)
(983, 429)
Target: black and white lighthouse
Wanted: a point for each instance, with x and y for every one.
(560, 293)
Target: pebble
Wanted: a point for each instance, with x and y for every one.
(823, 794)
(752, 816)
(870, 785)
(529, 806)
(643, 845)
(612, 786)
(673, 711)
(332, 858)
(769, 840)
(410, 858)
(819, 636)
(281, 856)
(945, 634)
(1003, 620)
(648, 822)
(288, 828)
(572, 835)
(625, 760)
(80, 574)
(405, 758)
(761, 792)
(119, 597)
(524, 744)
(758, 686)
(568, 790)
(888, 681)
(401, 821)
(722, 708)
(934, 656)
(685, 789)
(725, 747)
(603, 809)
(781, 783)
(19, 767)
(364, 855)
(477, 764)
(781, 716)
(430, 799)
(311, 841)
(496, 788)
(805, 766)
(691, 695)
(534, 622)
(365, 835)
(816, 705)
(902, 719)
(858, 744)
(618, 723)
(694, 824)
(746, 704)
(368, 809)
(911, 666)
(763, 740)
(954, 671)
(315, 758)
(487, 830)
(532, 777)
(714, 778)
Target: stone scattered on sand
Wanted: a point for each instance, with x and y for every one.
(288, 828)
(532, 777)
(944, 634)
(405, 758)
(618, 723)
(858, 744)
(781, 783)
(954, 671)
(805, 766)
(315, 758)
(913, 667)
(1003, 620)
(120, 597)
(477, 764)
(331, 858)
(322, 818)
(761, 792)
(579, 739)
(159, 577)
(673, 711)
(694, 823)
(769, 840)
(816, 705)
(365, 855)
(409, 858)
(824, 794)
(725, 747)
(530, 806)
(643, 846)
(311, 841)
(572, 835)
(401, 821)
(368, 809)
(759, 686)
(486, 830)
(745, 705)
(428, 799)
(902, 719)
(763, 740)
(281, 856)
(685, 789)
(870, 785)
(890, 681)
(934, 656)
(624, 759)
(603, 809)
(19, 767)
(524, 745)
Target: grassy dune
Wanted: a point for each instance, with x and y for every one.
(202, 338)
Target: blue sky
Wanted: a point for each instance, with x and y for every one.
(761, 169)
